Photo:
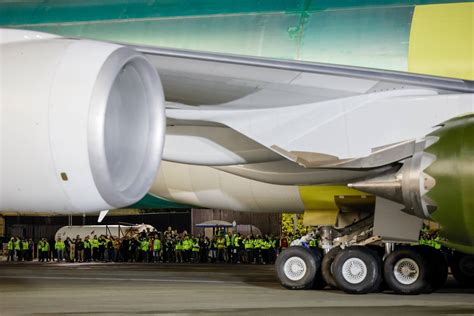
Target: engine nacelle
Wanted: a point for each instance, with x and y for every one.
(82, 124)
(437, 182)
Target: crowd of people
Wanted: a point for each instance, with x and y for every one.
(168, 246)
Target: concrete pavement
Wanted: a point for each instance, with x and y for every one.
(184, 289)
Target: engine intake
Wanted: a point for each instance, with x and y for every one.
(83, 124)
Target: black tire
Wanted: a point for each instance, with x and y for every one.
(326, 265)
(318, 282)
(365, 281)
(410, 258)
(438, 267)
(462, 268)
(298, 255)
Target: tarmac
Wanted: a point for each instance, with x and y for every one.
(33, 288)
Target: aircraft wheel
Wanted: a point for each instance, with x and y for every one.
(357, 270)
(296, 268)
(326, 267)
(462, 268)
(319, 283)
(438, 267)
(406, 271)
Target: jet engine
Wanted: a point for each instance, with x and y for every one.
(437, 182)
(82, 124)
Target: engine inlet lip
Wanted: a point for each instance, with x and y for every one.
(112, 193)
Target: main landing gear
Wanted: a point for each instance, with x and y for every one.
(362, 269)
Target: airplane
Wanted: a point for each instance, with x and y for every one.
(359, 115)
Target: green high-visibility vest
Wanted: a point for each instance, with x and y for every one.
(17, 245)
(257, 244)
(221, 243)
(59, 245)
(10, 245)
(87, 244)
(26, 245)
(94, 243)
(237, 241)
(248, 244)
(157, 244)
(45, 246)
(178, 246)
(144, 245)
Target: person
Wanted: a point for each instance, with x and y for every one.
(248, 246)
(59, 246)
(79, 249)
(169, 250)
(151, 246)
(68, 250)
(101, 251)
(178, 250)
(31, 249)
(213, 249)
(257, 249)
(40, 251)
(87, 249)
(144, 244)
(18, 246)
(116, 244)
(221, 247)
(168, 233)
(204, 249)
(264, 248)
(45, 250)
(156, 249)
(95, 248)
(187, 246)
(195, 250)
(24, 249)
(11, 249)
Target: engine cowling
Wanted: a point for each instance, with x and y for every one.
(437, 182)
(82, 124)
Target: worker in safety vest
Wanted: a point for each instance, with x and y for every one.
(45, 250)
(178, 250)
(188, 246)
(195, 249)
(87, 249)
(144, 250)
(11, 249)
(156, 249)
(17, 246)
(95, 248)
(59, 246)
(248, 246)
(236, 247)
(40, 250)
(221, 247)
(24, 249)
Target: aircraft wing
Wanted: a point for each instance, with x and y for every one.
(283, 122)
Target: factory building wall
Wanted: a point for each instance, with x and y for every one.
(46, 226)
(268, 223)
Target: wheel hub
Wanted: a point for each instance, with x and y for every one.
(295, 268)
(406, 271)
(354, 270)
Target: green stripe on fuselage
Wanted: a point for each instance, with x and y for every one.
(356, 33)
